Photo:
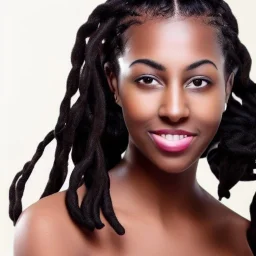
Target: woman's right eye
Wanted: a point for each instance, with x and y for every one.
(147, 80)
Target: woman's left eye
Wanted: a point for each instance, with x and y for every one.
(147, 80)
(200, 82)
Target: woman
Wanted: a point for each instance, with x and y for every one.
(155, 80)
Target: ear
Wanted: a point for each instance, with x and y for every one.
(112, 80)
(229, 86)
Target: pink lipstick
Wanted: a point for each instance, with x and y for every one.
(177, 145)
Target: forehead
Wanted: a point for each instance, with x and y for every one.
(178, 39)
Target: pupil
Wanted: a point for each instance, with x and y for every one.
(148, 79)
(198, 82)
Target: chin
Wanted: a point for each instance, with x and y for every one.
(174, 166)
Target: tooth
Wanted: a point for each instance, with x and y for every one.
(168, 136)
(176, 137)
(173, 137)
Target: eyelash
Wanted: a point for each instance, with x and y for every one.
(198, 78)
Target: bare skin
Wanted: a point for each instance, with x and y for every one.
(155, 194)
(45, 228)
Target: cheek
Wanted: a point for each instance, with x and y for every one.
(139, 106)
(208, 114)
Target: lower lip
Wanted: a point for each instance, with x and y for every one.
(171, 146)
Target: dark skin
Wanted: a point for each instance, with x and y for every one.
(155, 195)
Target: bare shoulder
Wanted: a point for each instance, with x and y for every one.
(222, 214)
(45, 228)
(237, 230)
(231, 228)
(234, 221)
(238, 226)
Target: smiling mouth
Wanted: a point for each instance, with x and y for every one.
(171, 145)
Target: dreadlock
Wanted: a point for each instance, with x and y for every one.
(95, 122)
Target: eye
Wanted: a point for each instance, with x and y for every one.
(200, 82)
(147, 80)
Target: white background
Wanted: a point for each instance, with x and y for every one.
(38, 39)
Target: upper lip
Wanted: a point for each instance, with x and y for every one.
(173, 132)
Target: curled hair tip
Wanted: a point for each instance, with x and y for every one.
(121, 232)
(100, 226)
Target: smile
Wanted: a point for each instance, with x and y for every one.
(171, 144)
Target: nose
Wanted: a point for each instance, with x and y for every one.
(174, 105)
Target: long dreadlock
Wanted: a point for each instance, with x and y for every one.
(95, 122)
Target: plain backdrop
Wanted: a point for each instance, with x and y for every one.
(38, 37)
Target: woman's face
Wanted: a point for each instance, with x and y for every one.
(168, 94)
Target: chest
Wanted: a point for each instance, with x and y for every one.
(155, 247)
(154, 243)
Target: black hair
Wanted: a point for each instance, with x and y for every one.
(95, 122)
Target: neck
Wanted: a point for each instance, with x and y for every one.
(154, 191)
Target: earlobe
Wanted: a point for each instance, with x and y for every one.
(112, 80)
(229, 85)
(108, 74)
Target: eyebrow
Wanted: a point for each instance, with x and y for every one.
(160, 67)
